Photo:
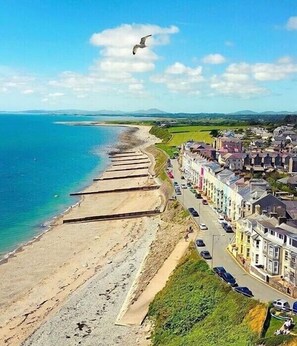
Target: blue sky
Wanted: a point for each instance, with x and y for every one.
(203, 56)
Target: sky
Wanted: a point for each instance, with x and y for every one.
(203, 55)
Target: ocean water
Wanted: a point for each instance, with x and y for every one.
(41, 162)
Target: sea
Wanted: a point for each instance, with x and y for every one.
(41, 162)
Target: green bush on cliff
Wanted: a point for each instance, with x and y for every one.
(196, 308)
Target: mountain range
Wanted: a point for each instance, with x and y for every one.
(147, 112)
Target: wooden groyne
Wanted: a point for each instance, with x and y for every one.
(126, 169)
(134, 214)
(122, 152)
(126, 189)
(137, 159)
(129, 164)
(123, 177)
(125, 155)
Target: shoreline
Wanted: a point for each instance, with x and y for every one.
(48, 223)
(59, 276)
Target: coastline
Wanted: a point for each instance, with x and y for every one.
(14, 319)
(47, 224)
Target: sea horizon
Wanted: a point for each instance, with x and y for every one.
(41, 163)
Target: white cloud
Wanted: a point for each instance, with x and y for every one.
(180, 78)
(116, 68)
(214, 59)
(243, 79)
(292, 23)
(229, 43)
(55, 94)
(28, 91)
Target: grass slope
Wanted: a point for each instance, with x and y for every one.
(196, 308)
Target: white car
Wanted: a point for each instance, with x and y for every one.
(221, 219)
(281, 304)
(203, 226)
(183, 186)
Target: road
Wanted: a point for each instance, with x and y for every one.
(216, 241)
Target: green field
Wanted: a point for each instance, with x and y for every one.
(173, 137)
(181, 134)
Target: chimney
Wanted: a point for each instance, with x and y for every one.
(273, 214)
(258, 209)
(282, 219)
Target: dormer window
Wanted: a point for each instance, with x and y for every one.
(265, 230)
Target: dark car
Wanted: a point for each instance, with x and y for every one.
(227, 227)
(204, 202)
(178, 191)
(198, 195)
(200, 242)
(229, 279)
(219, 270)
(205, 254)
(193, 212)
(244, 290)
(175, 183)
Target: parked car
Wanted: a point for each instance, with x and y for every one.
(221, 219)
(178, 192)
(281, 304)
(200, 242)
(203, 226)
(193, 212)
(229, 279)
(189, 184)
(219, 270)
(170, 174)
(227, 227)
(294, 307)
(182, 177)
(175, 183)
(204, 202)
(198, 195)
(244, 290)
(205, 254)
(183, 186)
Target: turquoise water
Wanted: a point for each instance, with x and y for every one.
(41, 162)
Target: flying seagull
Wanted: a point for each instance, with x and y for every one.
(141, 45)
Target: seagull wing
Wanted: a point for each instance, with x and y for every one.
(142, 41)
(135, 49)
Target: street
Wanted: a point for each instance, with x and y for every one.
(216, 241)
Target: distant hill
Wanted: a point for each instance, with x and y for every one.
(245, 112)
(149, 111)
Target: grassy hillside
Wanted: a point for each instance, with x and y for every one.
(196, 308)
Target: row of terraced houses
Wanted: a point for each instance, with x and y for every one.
(265, 241)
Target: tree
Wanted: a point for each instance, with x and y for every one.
(214, 133)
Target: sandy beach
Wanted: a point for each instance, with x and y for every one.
(68, 287)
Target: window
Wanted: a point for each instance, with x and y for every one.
(270, 251)
(269, 266)
(272, 232)
(276, 252)
(257, 244)
(241, 237)
(275, 267)
(248, 238)
(286, 255)
(280, 236)
(257, 259)
(241, 249)
(247, 252)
